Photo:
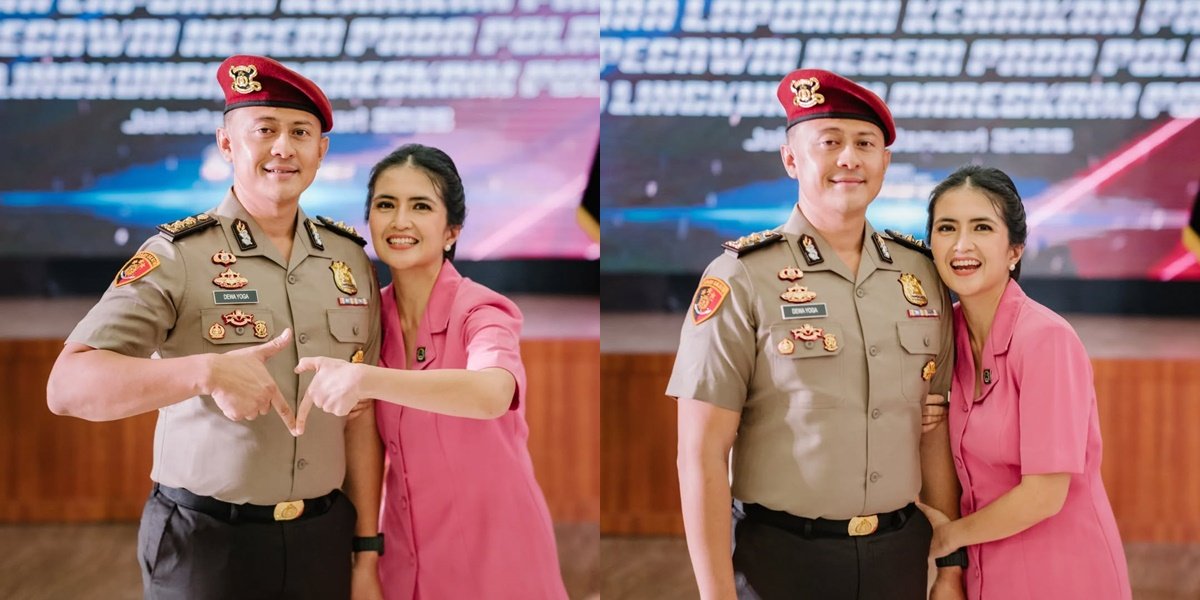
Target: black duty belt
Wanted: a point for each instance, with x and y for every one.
(253, 513)
(858, 526)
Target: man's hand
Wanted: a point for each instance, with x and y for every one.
(933, 412)
(240, 384)
(364, 577)
(334, 388)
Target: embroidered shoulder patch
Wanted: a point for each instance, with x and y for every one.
(709, 296)
(136, 268)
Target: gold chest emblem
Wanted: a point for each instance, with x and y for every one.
(806, 93)
(343, 278)
(912, 289)
(243, 79)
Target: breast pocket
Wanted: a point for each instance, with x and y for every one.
(920, 342)
(225, 326)
(806, 363)
(349, 329)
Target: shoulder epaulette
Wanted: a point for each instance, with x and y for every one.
(342, 229)
(184, 227)
(909, 242)
(749, 243)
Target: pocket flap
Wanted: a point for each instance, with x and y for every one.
(348, 325)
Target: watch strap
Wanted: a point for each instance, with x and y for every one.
(958, 558)
(368, 544)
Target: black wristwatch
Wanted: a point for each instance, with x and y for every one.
(368, 544)
(958, 558)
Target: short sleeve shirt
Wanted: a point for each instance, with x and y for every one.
(327, 294)
(828, 370)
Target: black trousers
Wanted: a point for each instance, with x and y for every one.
(185, 554)
(771, 563)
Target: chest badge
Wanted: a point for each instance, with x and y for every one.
(830, 342)
(790, 274)
(929, 371)
(343, 278)
(987, 376)
(230, 280)
(216, 332)
(224, 258)
(812, 254)
(237, 318)
(245, 239)
(798, 294)
(786, 346)
(808, 333)
(260, 330)
(357, 357)
(912, 290)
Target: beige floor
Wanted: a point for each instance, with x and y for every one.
(657, 568)
(97, 562)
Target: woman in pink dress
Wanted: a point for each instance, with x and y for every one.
(1024, 430)
(463, 516)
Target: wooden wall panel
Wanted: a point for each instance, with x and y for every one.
(60, 469)
(1149, 414)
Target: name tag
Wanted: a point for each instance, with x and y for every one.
(804, 311)
(235, 297)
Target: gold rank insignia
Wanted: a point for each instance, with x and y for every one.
(343, 278)
(912, 289)
(881, 248)
(808, 333)
(241, 232)
(243, 79)
(798, 294)
(342, 229)
(790, 274)
(230, 280)
(806, 93)
(929, 371)
(224, 258)
(260, 330)
(749, 243)
(831, 343)
(812, 254)
(786, 346)
(136, 268)
(216, 332)
(177, 229)
(708, 299)
(357, 357)
(909, 242)
(237, 318)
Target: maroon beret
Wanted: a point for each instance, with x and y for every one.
(259, 81)
(814, 94)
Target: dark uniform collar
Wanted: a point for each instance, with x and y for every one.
(233, 213)
(798, 228)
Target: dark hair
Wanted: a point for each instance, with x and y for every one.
(1000, 189)
(440, 169)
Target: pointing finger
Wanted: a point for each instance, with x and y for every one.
(273, 347)
(284, 411)
(308, 363)
(302, 415)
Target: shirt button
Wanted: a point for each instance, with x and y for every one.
(356, 332)
(291, 279)
(875, 413)
(926, 340)
(300, 464)
(809, 344)
(873, 351)
(392, 449)
(403, 502)
(958, 461)
(860, 293)
(239, 330)
(965, 409)
(303, 338)
(875, 477)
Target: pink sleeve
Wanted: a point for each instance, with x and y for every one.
(1055, 398)
(493, 339)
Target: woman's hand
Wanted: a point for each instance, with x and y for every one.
(933, 412)
(941, 544)
(334, 387)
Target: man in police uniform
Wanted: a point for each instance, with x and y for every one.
(230, 300)
(809, 352)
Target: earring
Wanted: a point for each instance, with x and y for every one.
(1012, 267)
(448, 246)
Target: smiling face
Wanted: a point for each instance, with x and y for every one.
(408, 219)
(839, 163)
(970, 243)
(275, 152)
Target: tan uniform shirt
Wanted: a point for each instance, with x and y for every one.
(827, 429)
(171, 311)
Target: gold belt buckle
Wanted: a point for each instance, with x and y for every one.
(286, 511)
(863, 525)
